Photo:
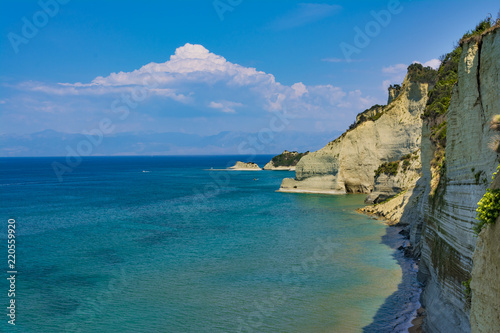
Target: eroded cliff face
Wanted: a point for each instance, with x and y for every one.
(448, 240)
(389, 185)
(347, 164)
(392, 194)
(485, 283)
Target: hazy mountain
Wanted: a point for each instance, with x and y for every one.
(52, 143)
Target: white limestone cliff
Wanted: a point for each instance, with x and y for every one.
(347, 164)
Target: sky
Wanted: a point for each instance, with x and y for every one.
(208, 67)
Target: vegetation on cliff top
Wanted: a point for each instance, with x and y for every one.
(435, 114)
(439, 102)
(482, 28)
(288, 158)
(421, 74)
(447, 76)
(396, 87)
(363, 116)
(416, 73)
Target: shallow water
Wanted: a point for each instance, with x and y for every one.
(182, 248)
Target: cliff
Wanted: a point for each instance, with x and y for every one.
(449, 215)
(394, 91)
(449, 119)
(382, 134)
(391, 178)
(440, 209)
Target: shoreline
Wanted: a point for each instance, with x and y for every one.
(409, 267)
(330, 192)
(282, 168)
(400, 310)
(235, 169)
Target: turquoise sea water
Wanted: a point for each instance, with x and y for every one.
(164, 244)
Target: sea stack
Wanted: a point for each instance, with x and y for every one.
(250, 166)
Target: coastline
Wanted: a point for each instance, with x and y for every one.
(233, 169)
(403, 305)
(311, 191)
(280, 168)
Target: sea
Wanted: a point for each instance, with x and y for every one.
(174, 244)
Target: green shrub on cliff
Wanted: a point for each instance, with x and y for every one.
(482, 27)
(395, 87)
(388, 168)
(447, 76)
(435, 114)
(421, 74)
(488, 209)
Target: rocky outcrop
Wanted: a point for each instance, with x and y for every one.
(347, 164)
(286, 161)
(394, 91)
(245, 166)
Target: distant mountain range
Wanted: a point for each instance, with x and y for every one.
(53, 143)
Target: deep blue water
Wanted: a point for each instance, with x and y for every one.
(164, 244)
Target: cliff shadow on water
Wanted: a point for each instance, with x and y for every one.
(398, 310)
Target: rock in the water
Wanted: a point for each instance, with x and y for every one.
(286, 161)
(245, 166)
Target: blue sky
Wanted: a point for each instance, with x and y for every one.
(234, 66)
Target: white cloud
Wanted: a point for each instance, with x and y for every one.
(395, 69)
(433, 63)
(200, 80)
(299, 89)
(225, 106)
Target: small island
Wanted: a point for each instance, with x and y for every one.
(286, 161)
(242, 166)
